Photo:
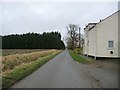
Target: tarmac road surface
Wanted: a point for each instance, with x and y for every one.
(60, 72)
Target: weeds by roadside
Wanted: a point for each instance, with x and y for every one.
(80, 59)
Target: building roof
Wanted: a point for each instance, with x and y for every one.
(100, 21)
(90, 24)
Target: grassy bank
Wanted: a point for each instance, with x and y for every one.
(24, 69)
(80, 59)
(9, 62)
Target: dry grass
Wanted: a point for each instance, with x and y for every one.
(6, 52)
(10, 77)
(9, 62)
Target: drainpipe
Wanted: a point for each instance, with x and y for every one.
(95, 43)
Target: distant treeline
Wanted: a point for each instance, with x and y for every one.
(50, 40)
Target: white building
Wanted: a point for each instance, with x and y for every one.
(101, 39)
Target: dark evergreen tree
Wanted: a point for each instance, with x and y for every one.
(50, 40)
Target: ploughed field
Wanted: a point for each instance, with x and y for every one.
(17, 63)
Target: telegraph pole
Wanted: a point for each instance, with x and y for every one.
(79, 37)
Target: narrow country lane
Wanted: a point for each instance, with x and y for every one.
(60, 72)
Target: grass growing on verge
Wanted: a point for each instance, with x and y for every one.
(80, 59)
(18, 73)
(9, 62)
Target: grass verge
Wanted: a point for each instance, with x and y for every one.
(18, 73)
(80, 59)
(11, 61)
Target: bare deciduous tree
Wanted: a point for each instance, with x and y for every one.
(73, 36)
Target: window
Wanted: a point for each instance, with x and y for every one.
(110, 44)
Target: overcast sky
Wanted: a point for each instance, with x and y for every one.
(39, 17)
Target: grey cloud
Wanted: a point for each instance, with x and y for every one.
(39, 17)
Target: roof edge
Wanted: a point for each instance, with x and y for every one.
(103, 19)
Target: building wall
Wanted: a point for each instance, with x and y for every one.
(119, 34)
(107, 30)
(91, 40)
(86, 41)
(99, 36)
